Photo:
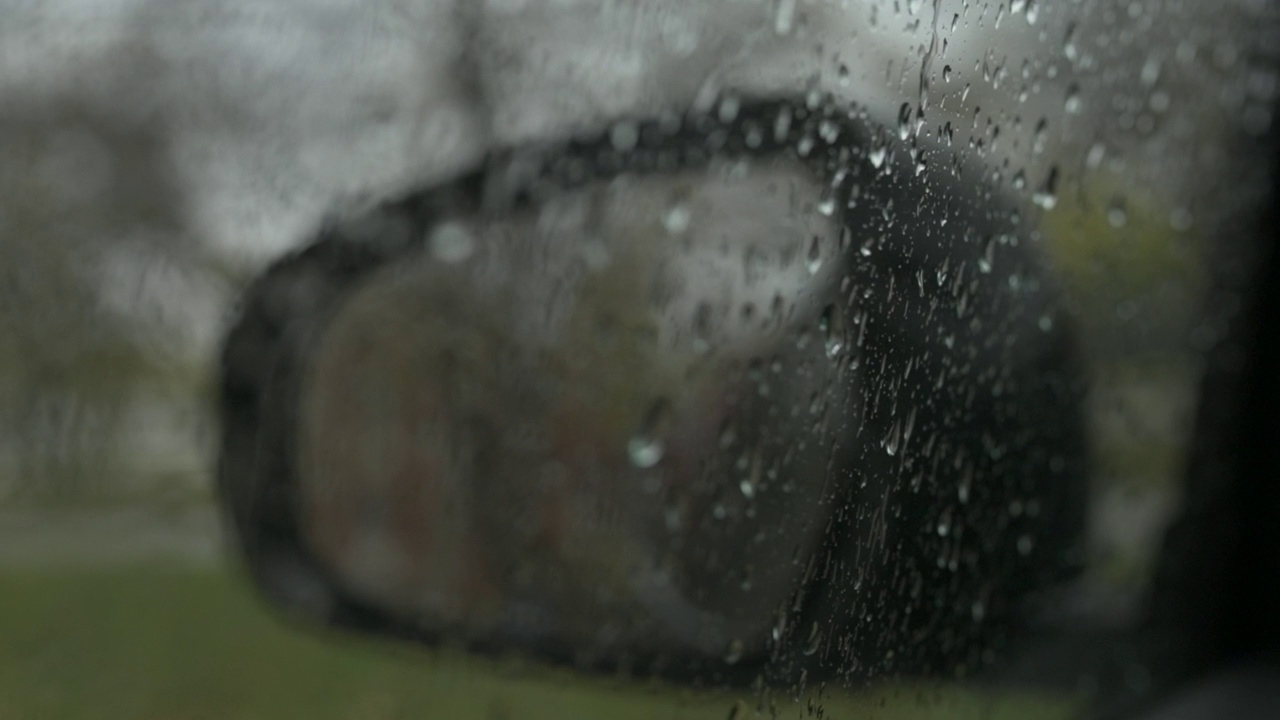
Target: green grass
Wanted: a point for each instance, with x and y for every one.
(159, 642)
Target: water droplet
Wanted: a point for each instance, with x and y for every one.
(451, 242)
(728, 434)
(988, 259)
(892, 439)
(877, 156)
(815, 640)
(979, 611)
(624, 136)
(677, 219)
(1046, 198)
(1097, 153)
(944, 524)
(782, 124)
(946, 73)
(734, 652)
(814, 261)
(644, 452)
(1159, 101)
(1117, 215)
(1073, 104)
(829, 131)
(729, 108)
(831, 323)
(785, 17)
(1046, 323)
(751, 483)
(671, 516)
(779, 624)
(1025, 545)
(1150, 71)
(1180, 219)
(646, 448)
(1041, 138)
(904, 121)
(1069, 49)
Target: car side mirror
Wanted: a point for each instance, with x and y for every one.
(689, 397)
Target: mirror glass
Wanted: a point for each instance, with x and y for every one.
(641, 406)
(603, 422)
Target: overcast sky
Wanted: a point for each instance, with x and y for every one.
(278, 112)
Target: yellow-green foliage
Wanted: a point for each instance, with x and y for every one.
(1112, 242)
(170, 643)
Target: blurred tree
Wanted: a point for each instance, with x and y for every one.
(75, 187)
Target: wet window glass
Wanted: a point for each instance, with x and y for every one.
(579, 358)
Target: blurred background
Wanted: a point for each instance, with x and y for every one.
(154, 156)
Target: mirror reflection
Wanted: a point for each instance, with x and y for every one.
(628, 403)
(604, 421)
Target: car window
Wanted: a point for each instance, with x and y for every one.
(579, 357)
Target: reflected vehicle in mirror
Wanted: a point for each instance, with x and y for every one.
(746, 392)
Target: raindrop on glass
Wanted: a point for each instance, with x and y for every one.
(1117, 215)
(784, 19)
(734, 652)
(451, 243)
(624, 136)
(676, 221)
(815, 640)
(1046, 198)
(877, 156)
(814, 260)
(904, 121)
(645, 449)
(1073, 104)
(1025, 545)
